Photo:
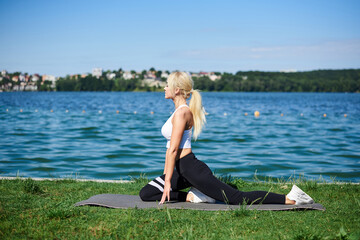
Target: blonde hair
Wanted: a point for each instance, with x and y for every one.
(183, 81)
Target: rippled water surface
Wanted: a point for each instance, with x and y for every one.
(85, 136)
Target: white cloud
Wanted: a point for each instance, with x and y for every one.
(347, 50)
(331, 54)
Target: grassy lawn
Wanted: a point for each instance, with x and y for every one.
(44, 210)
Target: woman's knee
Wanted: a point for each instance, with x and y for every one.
(145, 193)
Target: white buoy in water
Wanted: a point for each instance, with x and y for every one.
(100, 111)
(225, 114)
(66, 110)
(36, 110)
(301, 114)
(135, 112)
(21, 110)
(7, 110)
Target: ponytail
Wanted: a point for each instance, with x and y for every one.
(198, 112)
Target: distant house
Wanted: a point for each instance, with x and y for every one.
(213, 76)
(35, 77)
(164, 75)
(127, 75)
(3, 72)
(150, 75)
(31, 86)
(151, 83)
(97, 72)
(50, 78)
(74, 76)
(84, 75)
(195, 75)
(110, 76)
(288, 70)
(15, 78)
(22, 78)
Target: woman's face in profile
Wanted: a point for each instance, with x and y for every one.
(169, 94)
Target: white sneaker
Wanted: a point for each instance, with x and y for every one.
(299, 196)
(199, 197)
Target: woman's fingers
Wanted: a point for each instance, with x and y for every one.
(162, 198)
(166, 194)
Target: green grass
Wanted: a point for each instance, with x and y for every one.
(44, 210)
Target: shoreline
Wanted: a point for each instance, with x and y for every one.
(61, 179)
(131, 181)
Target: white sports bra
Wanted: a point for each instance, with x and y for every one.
(166, 131)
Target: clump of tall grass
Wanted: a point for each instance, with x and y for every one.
(143, 179)
(30, 186)
(242, 211)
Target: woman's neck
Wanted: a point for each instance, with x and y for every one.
(179, 101)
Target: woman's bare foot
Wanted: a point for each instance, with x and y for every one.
(289, 202)
(189, 197)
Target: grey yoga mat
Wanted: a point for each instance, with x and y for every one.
(134, 201)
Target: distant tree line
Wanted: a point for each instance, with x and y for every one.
(90, 83)
(242, 81)
(310, 81)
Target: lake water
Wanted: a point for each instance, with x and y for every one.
(85, 137)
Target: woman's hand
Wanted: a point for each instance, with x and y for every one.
(166, 193)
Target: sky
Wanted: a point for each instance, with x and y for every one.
(73, 37)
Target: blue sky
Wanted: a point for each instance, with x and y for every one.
(68, 37)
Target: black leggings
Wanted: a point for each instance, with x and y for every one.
(192, 172)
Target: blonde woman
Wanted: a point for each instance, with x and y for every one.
(182, 169)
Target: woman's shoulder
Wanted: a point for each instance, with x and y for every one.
(183, 113)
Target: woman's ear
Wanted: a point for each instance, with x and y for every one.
(177, 91)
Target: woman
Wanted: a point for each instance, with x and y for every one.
(191, 172)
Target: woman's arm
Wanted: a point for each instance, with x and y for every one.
(179, 124)
(166, 157)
